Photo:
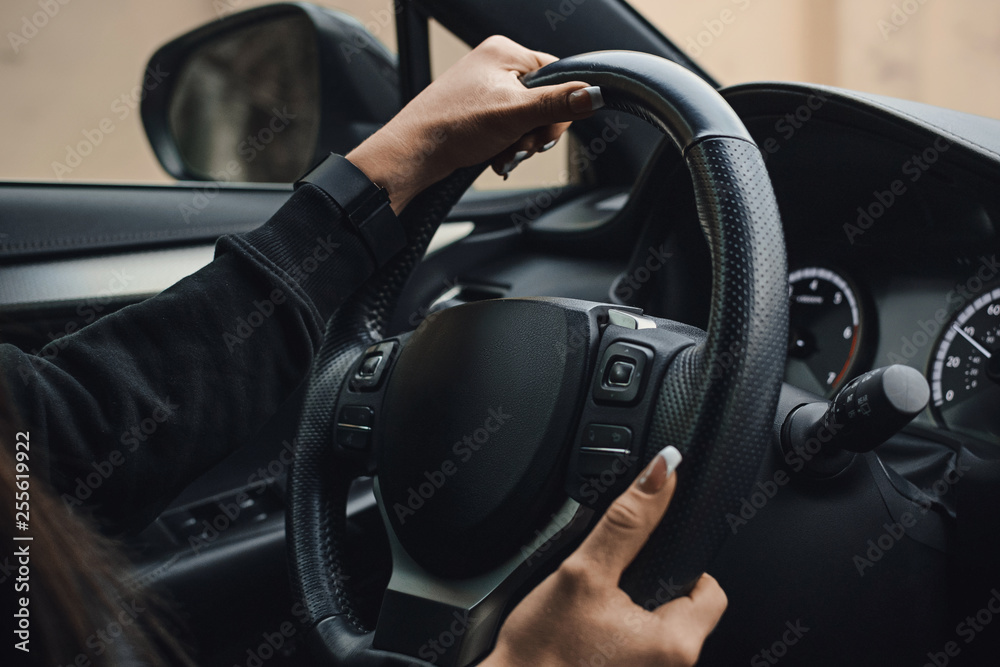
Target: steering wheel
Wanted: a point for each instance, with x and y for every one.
(496, 430)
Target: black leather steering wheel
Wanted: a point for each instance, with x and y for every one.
(497, 429)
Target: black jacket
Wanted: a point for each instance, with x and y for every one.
(125, 412)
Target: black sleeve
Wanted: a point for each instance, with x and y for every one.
(130, 409)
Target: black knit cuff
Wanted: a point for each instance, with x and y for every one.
(308, 244)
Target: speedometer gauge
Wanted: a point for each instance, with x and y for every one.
(825, 330)
(965, 378)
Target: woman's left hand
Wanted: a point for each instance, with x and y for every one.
(477, 111)
(579, 615)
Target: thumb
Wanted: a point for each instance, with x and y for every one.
(628, 522)
(561, 103)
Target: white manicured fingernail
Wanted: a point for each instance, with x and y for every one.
(549, 146)
(656, 474)
(673, 458)
(510, 166)
(586, 99)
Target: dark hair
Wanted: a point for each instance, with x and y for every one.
(77, 584)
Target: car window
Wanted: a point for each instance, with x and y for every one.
(943, 53)
(72, 74)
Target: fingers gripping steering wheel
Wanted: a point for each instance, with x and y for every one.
(493, 422)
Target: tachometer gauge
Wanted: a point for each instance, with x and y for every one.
(965, 377)
(825, 330)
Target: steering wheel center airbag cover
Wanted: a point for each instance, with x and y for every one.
(479, 410)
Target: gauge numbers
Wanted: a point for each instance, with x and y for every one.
(965, 377)
(825, 328)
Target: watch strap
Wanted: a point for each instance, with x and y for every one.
(365, 204)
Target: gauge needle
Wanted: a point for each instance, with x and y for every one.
(973, 341)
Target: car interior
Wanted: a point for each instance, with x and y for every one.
(830, 362)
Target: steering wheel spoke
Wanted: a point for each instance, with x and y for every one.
(453, 622)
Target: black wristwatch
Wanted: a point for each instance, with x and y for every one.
(365, 204)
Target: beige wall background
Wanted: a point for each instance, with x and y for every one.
(66, 66)
(944, 52)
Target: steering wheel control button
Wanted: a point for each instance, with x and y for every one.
(621, 373)
(353, 437)
(630, 320)
(369, 374)
(356, 415)
(605, 447)
(354, 427)
(603, 437)
(595, 464)
(370, 366)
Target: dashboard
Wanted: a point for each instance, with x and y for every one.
(942, 318)
(891, 212)
(891, 220)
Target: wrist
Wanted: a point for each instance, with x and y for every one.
(398, 163)
(364, 205)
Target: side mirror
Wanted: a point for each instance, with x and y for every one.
(261, 95)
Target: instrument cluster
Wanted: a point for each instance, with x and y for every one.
(834, 336)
